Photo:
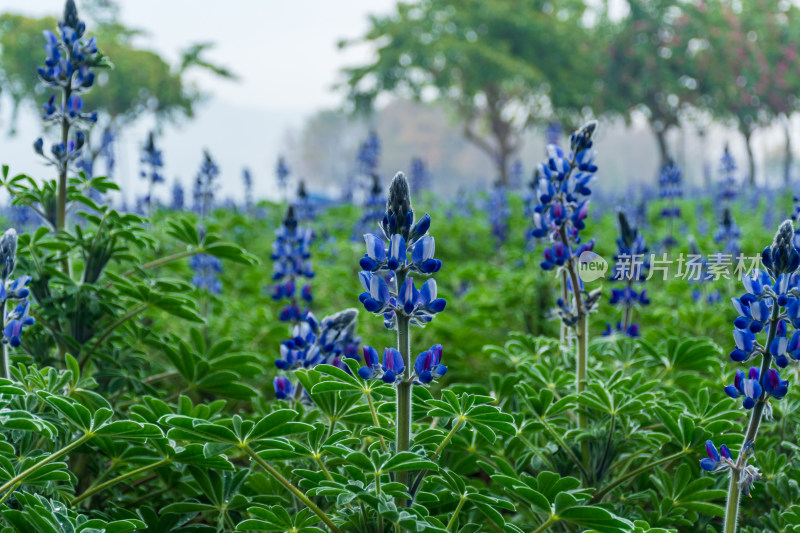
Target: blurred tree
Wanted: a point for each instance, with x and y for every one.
(650, 63)
(497, 64)
(746, 74)
(141, 83)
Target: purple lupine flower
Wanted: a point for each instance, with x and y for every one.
(428, 364)
(291, 256)
(747, 387)
(716, 461)
(283, 387)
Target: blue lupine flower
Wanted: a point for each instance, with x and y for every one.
(313, 343)
(393, 366)
(282, 172)
(382, 263)
(69, 60)
(562, 192)
(372, 209)
(516, 174)
(774, 386)
(716, 461)
(499, 212)
(745, 345)
(206, 267)
(749, 387)
(418, 176)
(15, 321)
(291, 258)
(205, 185)
(552, 134)
(153, 161)
(727, 183)
(369, 153)
(670, 189)
(372, 365)
(178, 201)
(428, 364)
(283, 387)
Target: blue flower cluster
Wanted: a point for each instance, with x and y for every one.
(205, 185)
(178, 197)
(69, 60)
(670, 185)
(152, 161)
(372, 211)
(722, 460)
(206, 268)
(16, 290)
(389, 291)
(727, 176)
(562, 197)
(427, 366)
(771, 303)
(369, 154)
(383, 264)
(282, 172)
(303, 205)
(561, 206)
(316, 343)
(516, 174)
(291, 256)
(419, 177)
(631, 266)
(552, 134)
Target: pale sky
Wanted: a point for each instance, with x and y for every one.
(284, 53)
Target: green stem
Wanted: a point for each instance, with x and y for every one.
(19, 478)
(403, 396)
(582, 334)
(734, 492)
(375, 419)
(566, 448)
(455, 513)
(599, 495)
(124, 318)
(550, 521)
(294, 490)
(111, 482)
(435, 454)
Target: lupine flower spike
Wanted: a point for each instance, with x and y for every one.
(291, 256)
(12, 291)
(631, 265)
(404, 251)
(769, 305)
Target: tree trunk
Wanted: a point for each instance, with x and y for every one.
(501, 161)
(751, 164)
(787, 160)
(663, 150)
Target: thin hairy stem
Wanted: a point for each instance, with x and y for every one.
(111, 482)
(19, 478)
(294, 490)
(633, 473)
(403, 397)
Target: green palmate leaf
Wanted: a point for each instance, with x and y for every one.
(197, 430)
(276, 424)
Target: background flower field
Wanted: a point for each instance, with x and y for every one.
(393, 358)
